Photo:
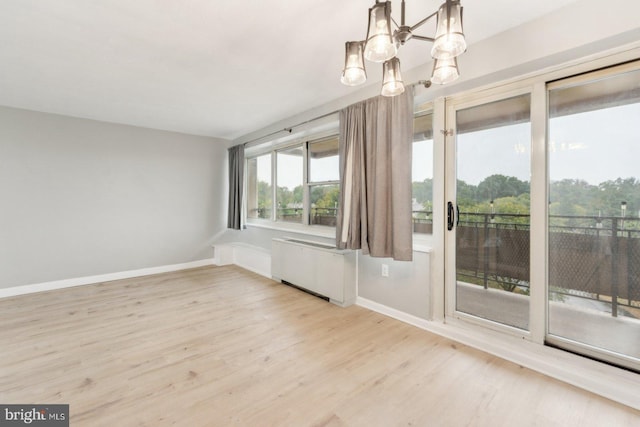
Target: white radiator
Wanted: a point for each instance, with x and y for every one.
(317, 267)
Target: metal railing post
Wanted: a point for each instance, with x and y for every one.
(614, 267)
(629, 269)
(486, 251)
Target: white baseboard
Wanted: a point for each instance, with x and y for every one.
(89, 280)
(392, 312)
(608, 381)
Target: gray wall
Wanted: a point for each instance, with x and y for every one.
(406, 288)
(80, 197)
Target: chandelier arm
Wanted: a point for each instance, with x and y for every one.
(423, 38)
(424, 20)
(394, 21)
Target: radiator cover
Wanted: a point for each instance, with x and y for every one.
(316, 267)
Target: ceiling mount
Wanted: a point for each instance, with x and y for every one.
(381, 45)
(403, 34)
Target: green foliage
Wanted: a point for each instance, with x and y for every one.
(288, 198)
(575, 197)
(498, 186)
(568, 197)
(322, 196)
(423, 192)
(612, 193)
(264, 195)
(467, 196)
(510, 195)
(325, 196)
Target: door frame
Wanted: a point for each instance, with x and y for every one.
(538, 241)
(606, 380)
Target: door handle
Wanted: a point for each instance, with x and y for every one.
(450, 215)
(457, 215)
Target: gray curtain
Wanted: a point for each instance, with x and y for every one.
(236, 178)
(375, 212)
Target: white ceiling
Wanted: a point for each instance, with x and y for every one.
(205, 67)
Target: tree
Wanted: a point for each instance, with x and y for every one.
(284, 197)
(496, 186)
(571, 197)
(297, 195)
(612, 193)
(423, 191)
(265, 199)
(325, 196)
(466, 194)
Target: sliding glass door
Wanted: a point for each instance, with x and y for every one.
(594, 214)
(574, 282)
(488, 208)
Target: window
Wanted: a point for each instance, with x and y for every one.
(544, 236)
(259, 190)
(492, 186)
(289, 196)
(422, 173)
(324, 181)
(594, 214)
(306, 183)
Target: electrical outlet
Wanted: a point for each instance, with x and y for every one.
(385, 270)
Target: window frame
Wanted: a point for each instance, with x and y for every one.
(272, 148)
(246, 191)
(274, 214)
(309, 184)
(420, 111)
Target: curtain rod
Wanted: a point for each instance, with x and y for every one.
(425, 83)
(290, 128)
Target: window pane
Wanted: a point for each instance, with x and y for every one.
(594, 210)
(323, 160)
(422, 174)
(324, 204)
(259, 193)
(289, 169)
(492, 193)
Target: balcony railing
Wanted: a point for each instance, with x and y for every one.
(327, 216)
(591, 257)
(319, 216)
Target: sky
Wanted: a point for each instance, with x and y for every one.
(504, 150)
(290, 170)
(594, 146)
(422, 159)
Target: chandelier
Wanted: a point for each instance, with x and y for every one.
(381, 45)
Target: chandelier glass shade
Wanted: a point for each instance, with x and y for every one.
(444, 71)
(382, 44)
(449, 41)
(354, 72)
(392, 83)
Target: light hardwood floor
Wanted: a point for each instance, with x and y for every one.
(220, 346)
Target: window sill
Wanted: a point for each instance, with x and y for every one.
(421, 242)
